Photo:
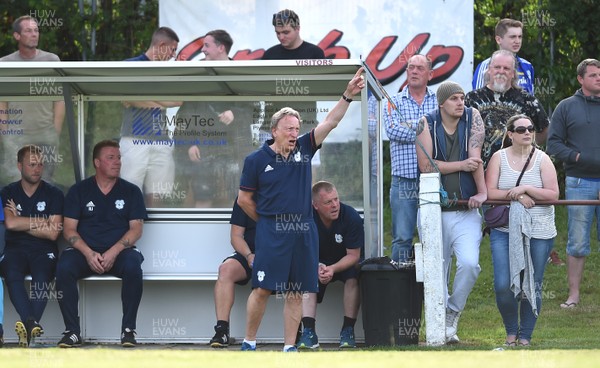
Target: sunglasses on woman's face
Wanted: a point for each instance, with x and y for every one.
(522, 129)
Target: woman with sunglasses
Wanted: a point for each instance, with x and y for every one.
(526, 243)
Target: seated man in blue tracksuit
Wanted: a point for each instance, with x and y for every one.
(341, 242)
(33, 218)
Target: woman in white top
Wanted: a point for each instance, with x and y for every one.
(539, 183)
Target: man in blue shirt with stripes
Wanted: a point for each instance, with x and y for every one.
(509, 36)
(400, 118)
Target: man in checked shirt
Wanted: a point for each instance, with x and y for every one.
(414, 101)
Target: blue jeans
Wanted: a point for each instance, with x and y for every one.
(581, 217)
(404, 200)
(507, 303)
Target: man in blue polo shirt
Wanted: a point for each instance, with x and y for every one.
(341, 239)
(104, 218)
(33, 220)
(275, 187)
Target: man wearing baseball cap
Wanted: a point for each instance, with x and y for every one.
(451, 137)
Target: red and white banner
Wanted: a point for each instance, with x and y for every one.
(384, 33)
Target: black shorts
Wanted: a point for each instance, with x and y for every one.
(351, 273)
(244, 262)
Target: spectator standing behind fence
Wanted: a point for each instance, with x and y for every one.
(291, 46)
(520, 250)
(212, 166)
(279, 175)
(509, 36)
(452, 137)
(341, 242)
(574, 139)
(103, 219)
(146, 136)
(413, 102)
(502, 98)
(39, 122)
(33, 219)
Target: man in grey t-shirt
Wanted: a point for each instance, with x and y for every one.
(31, 122)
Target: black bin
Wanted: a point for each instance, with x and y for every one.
(392, 302)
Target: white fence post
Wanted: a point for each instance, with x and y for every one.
(430, 260)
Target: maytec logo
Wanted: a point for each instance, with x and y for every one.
(260, 275)
(90, 206)
(41, 206)
(19, 208)
(298, 156)
(51, 255)
(338, 238)
(119, 204)
(268, 168)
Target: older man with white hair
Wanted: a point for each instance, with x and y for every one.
(502, 98)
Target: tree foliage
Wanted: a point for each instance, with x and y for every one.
(120, 29)
(557, 36)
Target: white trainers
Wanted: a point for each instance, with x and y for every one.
(452, 318)
(452, 339)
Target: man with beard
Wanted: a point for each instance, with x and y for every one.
(502, 98)
(452, 137)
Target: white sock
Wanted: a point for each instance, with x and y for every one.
(286, 347)
(251, 343)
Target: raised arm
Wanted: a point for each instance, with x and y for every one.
(336, 114)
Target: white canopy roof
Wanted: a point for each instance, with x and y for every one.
(200, 78)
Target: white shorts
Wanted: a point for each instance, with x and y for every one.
(150, 167)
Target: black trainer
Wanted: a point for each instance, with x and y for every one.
(34, 329)
(70, 340)
(221, 338)
(128, 338)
